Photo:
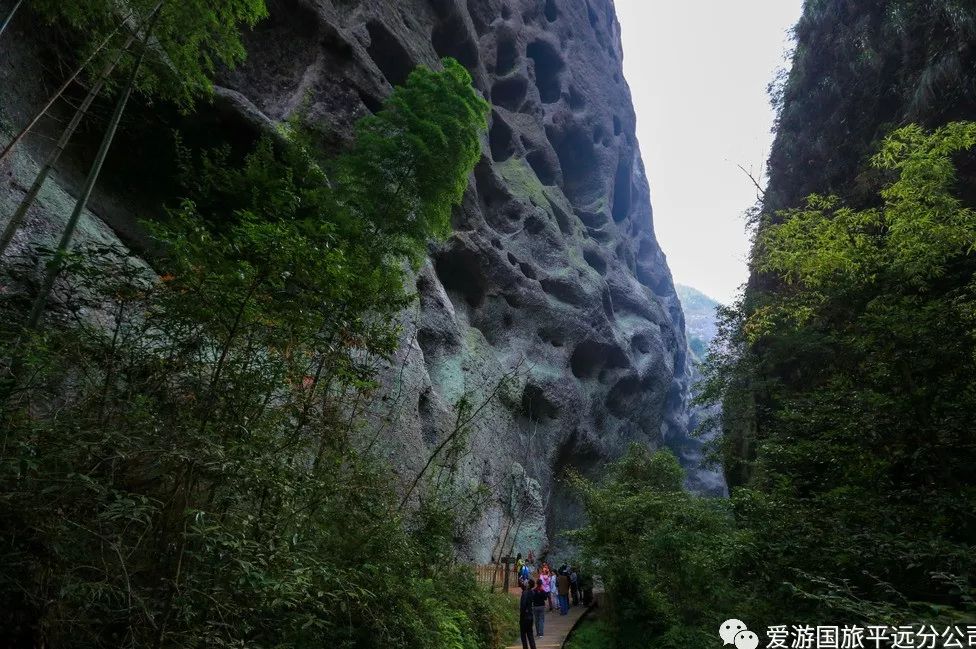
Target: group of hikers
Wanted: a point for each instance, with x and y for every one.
(545, 590)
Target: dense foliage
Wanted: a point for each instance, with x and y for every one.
(190, 38)
(861, 368)
(662, 552)
(178, 463)
(855, 501)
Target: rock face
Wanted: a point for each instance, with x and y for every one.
(553, 277)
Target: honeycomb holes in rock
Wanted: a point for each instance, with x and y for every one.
(500, 139)
(544, 166)
(460, 272)
(622, 187)
(388, 53)
(624, 395)
(582, 180)
(590, 357)
(564, 291)
(510, 92)
(536, 406)
(549, 65)
(595, 261)
(506, 53)
(552, 11)
(452, 38)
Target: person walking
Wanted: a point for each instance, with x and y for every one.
(562, 588)
(548, 583)
(574, 588)
(525, 574)
(525, 616)
(539, 599)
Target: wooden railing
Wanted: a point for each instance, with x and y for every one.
(491, 576)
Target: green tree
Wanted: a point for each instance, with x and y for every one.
(665, 556)
(861, 364)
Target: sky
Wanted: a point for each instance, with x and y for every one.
(698, 71)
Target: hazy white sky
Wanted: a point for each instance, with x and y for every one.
(698, 70)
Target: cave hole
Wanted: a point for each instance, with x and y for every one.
(552, 336)
(536, 405)
(528, 270)
(389, 54)
(590, 356)
(580, 165)
(491, 191)
(428, 418)
(564, 290)
(562, 217)
(510, 92)
(548, 66)
(372, 103)
(500, 139)
(595, 260)
(552, 11)
(451, 38)
(534, 225)
(460, 271)
(506, 56)
(592, 219)
(641, 344)
(624, 396)
(617, 126)
(622, 187)
(544, 166)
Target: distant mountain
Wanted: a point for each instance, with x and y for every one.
(700, 330)
(700, 319)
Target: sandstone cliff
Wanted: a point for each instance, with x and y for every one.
(553, 274)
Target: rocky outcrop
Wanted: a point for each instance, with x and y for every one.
(551, 306)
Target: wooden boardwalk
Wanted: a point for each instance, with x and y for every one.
(557, 629)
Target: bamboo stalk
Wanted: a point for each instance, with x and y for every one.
(17, 219)
(54, 266)
(60, 91)
(10, 16)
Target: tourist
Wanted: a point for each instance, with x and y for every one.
(525, 616)
(548, 581)
(525, 574)
(539, 599)
(562, 588)
(574, 588)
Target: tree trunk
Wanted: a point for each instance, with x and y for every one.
(54, 266)
(10, 16)
(15, 221)
(60, 91)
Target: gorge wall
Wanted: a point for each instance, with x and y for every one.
(552, 278)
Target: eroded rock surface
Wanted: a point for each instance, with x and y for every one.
(553, 275)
